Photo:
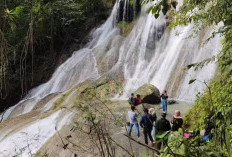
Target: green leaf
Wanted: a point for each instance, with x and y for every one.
(154, 10)
(191, 81)
(156, 15)
(149, 10)
(165, 9)
(162, 135)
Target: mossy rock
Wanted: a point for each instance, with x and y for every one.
(149, 94)
(107, 88)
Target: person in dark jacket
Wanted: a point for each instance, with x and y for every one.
(177, 121)
(147, 125)
(132, 100)
(162, 125)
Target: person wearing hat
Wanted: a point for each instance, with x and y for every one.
(177, 121)
(147, 125)
(162, 125)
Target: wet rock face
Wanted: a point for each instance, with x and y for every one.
(128, 10)
(149, 94)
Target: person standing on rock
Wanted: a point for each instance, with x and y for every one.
(147, 125)
(132, 100)
(164, 101)
(177, 121)
(133, 121)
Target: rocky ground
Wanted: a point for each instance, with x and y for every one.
(179, 105)
(120, 109)
(141, 151)
(69, 142)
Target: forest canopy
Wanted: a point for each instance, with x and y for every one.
(35, 37)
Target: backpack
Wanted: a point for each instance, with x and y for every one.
(163, 96)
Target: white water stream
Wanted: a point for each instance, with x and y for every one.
(151, 53)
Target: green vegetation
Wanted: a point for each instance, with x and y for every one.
(35, 37)
(126, 27)
(87, 91)
(61, 100)
(102, 89)
(183, 147)
(215, 104)
(131, 2)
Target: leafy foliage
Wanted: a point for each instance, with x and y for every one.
(126, 27)
(192, 147)
(219, 112)
(225, 56)
(161, 6)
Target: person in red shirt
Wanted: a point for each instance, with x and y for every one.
(138, 99)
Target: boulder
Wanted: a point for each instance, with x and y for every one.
(170, 102)
(149, 94)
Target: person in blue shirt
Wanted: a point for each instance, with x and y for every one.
(147, 125)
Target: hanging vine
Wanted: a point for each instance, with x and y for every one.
(27, 48)
(5, 50)
(3, 64)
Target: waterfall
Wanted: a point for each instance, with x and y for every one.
(151, 53)
(125, 10)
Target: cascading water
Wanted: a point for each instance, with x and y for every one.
(151, 53)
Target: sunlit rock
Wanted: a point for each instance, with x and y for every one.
(149, 94)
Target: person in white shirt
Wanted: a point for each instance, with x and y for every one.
(153, 118)
(133, 121)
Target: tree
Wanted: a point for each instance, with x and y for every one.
(33, 35)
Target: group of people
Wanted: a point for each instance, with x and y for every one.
(148, 121)
(152, 127)
(134, 101)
